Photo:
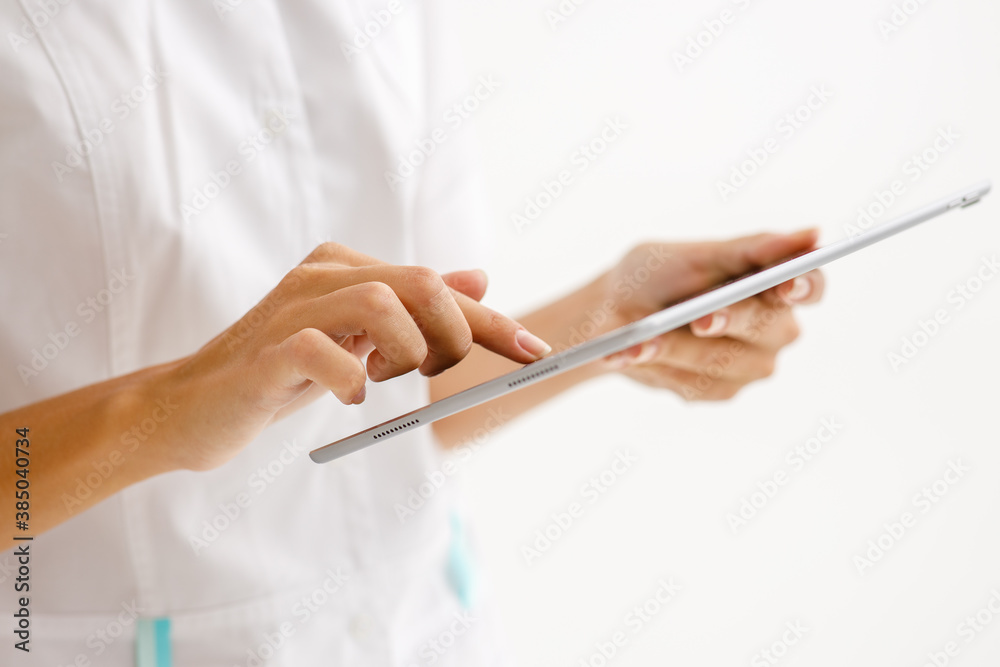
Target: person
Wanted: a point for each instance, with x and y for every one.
(220, 250)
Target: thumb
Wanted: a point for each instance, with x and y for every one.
(737, 256)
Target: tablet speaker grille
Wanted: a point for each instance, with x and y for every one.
(395, 429)
(532, 376)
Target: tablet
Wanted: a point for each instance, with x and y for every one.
(671, 317)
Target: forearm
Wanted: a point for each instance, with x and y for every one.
(578, 316)
(83, 447)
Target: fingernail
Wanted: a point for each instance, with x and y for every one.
(616, 361)
(532, 344)
(359, 397)
(649, 350)
(714, 326)
(625, 358)
(801, 287)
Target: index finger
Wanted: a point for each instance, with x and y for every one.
(499, 333)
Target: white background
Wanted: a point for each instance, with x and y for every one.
(666, 517)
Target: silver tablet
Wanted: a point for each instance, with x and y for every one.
(658, 323)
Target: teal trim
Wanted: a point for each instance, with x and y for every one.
(152, 643)
(145, 644)
(461, 571)
(164, 652)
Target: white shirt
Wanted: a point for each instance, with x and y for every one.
(175, 220)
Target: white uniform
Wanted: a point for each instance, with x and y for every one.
(164, 164)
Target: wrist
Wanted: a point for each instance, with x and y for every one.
(595, 309)
(147, 415)
(609, 299)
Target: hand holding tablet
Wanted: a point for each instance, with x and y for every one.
(670, 317)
